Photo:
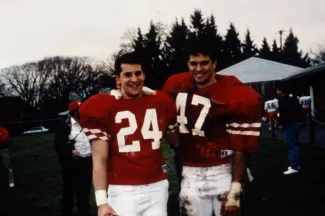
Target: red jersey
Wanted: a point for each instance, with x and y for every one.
(215, 120)
(134, 128)
(4, 138)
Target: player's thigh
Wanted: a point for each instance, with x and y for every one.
(217, 204)
(158, 199)
(191, 203)
(122, 200)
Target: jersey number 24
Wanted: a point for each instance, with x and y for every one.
(149, 119)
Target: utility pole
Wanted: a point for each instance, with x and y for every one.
(281, 33)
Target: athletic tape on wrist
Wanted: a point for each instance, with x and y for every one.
(101, 197)
(233, 195)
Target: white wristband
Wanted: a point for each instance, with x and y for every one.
(101, 197)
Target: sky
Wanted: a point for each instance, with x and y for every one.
(34, 29)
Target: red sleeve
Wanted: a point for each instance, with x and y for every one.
(4, 135)
(177, 83)
(94, 117)
(245, 114)
(172, 130)
(172, 115)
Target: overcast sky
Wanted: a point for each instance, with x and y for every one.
(34, 29)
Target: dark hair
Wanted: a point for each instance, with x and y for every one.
(105, 81)
(72, 112)
(127, 58)
(203, 46)
(282, 87)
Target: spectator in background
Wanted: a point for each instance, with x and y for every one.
(4, 154)
(271, 111)
(289, 116)
(305, 102)
(74, 150)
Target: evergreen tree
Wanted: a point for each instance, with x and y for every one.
(265, 51)
(249, 48)
(138, 43)
(232, 47)
(174, 48)
(276, 53)
(197, 25)
(291, 54)
(211, 34)
(154, 61)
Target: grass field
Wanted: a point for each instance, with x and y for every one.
(38, 181)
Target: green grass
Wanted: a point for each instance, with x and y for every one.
(38, 181)
(38, 178)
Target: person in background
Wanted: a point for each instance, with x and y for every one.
(305, 102)
(289, 116)
(74, 150)
(4, 153)
(271, 110)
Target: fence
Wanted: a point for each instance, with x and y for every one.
(18, 128)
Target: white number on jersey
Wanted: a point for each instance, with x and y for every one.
(182, 119)
(149, 119)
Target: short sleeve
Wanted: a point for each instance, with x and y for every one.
(94, 118)
(244, 121)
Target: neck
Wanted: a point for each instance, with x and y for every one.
(210, 82)
(125, 96)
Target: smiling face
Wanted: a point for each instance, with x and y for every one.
(202, 68)
(131, 80)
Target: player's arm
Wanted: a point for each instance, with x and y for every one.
(244, 131)
(172, 136)
(239, 167)
(172, 131)
(93, 119)
(100, 151)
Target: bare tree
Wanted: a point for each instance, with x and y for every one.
(319, 55)
(28, 82)
(3, 89)
(71, 74)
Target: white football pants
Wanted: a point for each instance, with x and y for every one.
(139, 200)
(203, 189)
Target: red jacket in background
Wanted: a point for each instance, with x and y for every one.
(4, 138)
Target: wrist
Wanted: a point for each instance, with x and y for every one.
(233, 196)
(100, 197)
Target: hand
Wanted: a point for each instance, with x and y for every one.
(232, 210)
(75, 154)
(106, 210)
(116, 93)
(148, 91)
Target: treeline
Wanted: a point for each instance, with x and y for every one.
(40, 90)
(164, 50)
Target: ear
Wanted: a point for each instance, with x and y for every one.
(144, 75)
(214, 64)
(118, 83)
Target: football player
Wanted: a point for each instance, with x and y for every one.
(271, 111)
(305, 102)
(219, 121)
(126, 132)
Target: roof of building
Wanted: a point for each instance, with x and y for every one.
(307, 71)
(254, 70)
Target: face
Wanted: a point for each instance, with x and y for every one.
(131, 80)
(202, 69)
(278, 92)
